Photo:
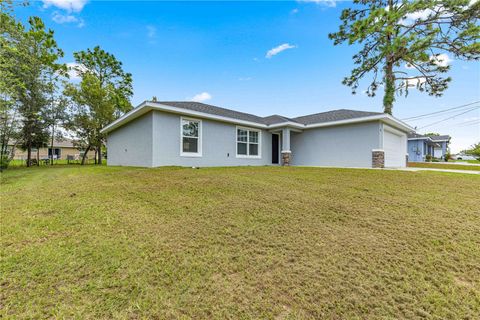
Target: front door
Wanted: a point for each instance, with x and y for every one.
(275, 149)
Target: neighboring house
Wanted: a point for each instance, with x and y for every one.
(61, 149)
(421, 146)
(196, 134)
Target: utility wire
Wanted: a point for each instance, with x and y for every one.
(451, 117)
(471, 123)
(441, 111)
(461, 124)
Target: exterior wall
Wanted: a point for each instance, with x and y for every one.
(416, 150)
(344, 146)
(442, 151)
(219, 144)
(131, 144)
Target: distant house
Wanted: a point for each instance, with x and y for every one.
(421, 146)
(61, 149)
(196, 134)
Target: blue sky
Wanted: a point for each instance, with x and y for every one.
(217, 52)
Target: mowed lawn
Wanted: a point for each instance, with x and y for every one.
(249, 243)
(437, 165)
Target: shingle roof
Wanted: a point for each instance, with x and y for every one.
(416, 135)
(426, 136)
(206, 108)
(335, 115)
(440, 138)
(329, 116)
(276, 119)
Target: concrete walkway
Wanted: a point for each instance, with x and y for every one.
(439, 170)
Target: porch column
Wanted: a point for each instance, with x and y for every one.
(286, 152)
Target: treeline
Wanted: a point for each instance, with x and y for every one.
(38, 100)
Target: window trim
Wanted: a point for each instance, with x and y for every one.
(199, 151)
(248, 156)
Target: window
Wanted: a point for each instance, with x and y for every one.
(248, 143)
(57, 152)
(191, 133)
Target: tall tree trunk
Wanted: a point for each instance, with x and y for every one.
(99, 148)
(95, 156)
(51, 144)
(389, 96)
(38, 157)
(29, 154)
(85, 155)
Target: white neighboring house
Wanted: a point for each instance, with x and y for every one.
(196, 134)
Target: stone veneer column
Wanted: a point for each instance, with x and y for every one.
(286, 158)
(378, 158)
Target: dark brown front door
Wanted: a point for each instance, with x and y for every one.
(275, 140)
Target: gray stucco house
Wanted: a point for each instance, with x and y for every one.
(420, 146)
(196, 134)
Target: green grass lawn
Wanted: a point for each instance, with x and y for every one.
(469, 161)
(250, 243)
(22, 163)
(437, 165)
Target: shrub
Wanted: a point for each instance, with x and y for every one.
(4, 161)
(448, 156)
(428, 157)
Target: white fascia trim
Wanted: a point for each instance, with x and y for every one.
(421, 138)
(161, 107)
(381, 117)
(378, 150)
(138, 110)
(288, 124)
(147, 106)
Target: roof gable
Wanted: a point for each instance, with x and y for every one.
(330, 118)
(335, 115)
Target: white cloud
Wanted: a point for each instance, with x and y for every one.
(151, 31)
(67, 18)
(244, 78)
(419, 15)
(294, 11)
(441, 60)
(200, 97)
(328, 3)
(274, 51)
(68, 5)
(152, 34)
(61, 18)
(73, 69)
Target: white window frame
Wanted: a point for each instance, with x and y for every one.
(199, 151)
(248, 156)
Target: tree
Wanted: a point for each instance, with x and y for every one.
(37, 59)
(55, 115)
(406, 43)
(101, 97)
(11, 33)
(474, 151)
